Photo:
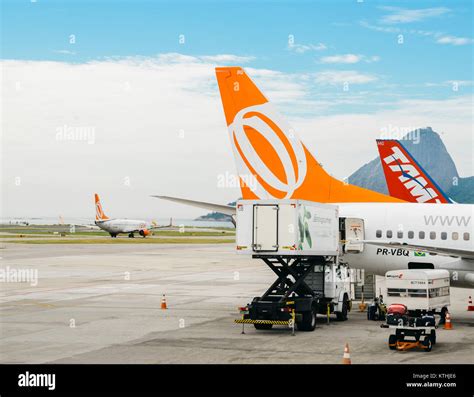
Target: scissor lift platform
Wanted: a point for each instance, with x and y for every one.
(293, 299)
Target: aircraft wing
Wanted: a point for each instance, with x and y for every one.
(89, 226)
(160, 227)
(86, 223)
(454, 252)
(223, 209)
(156, 226)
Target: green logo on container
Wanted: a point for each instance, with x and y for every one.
(304, 229)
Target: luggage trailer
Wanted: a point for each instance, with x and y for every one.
(300, 242)
(422, 293)
(423, 337)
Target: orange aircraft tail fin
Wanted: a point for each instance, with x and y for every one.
(99, 213)
(271, 160)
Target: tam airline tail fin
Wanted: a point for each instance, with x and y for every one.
(99, 213)
(271, 160)
(406, 179)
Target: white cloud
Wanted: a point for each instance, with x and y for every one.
(452, 118)
(159, 122)
(453, 40)
(226, 58)
(349, 59)
(460, 83)
(156, 121)
(343, 76)
(173, 57)
(384, 29)
(281, 87)
(453, 84)
(439, 37)
(346, 58)
(302, 48)
(64, 52)
(404, 15)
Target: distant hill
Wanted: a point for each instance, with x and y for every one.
(217, 216)
(432, 155)
(214, 216)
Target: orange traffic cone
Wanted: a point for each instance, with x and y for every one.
(447, 323)
(163, 302)
(470, 306)
(346, 358)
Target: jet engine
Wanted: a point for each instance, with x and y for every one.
(144, 232)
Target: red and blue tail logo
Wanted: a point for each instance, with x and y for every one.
(406, 179)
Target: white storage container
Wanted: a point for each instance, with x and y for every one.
(418, 289)
(287, 227)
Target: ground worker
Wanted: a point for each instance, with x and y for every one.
(382, 309)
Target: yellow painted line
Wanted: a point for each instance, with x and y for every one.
(40, 304)
(248, 321)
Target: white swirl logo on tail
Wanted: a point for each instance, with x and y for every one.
(249, 158)
(98, 211)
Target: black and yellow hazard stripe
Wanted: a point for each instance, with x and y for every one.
(274, 322)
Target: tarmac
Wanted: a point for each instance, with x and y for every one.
(101, 304)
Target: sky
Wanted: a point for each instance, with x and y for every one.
(120, 98)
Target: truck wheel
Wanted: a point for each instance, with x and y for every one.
(392, 342)
(433, 336)
(427, 343)
(263, 326)
(342, 315)
(308, 323)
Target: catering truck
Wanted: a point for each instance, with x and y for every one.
(300, 241)
(420, 290)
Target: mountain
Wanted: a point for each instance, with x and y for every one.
(426, 146)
